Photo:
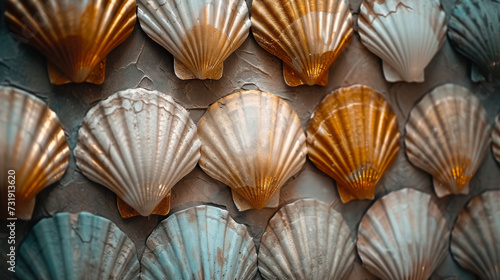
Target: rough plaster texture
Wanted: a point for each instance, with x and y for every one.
(140, 62)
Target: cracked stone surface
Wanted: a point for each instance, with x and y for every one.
(140, 62)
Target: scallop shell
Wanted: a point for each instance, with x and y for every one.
(308, 35)
(495, 136)
(404, 34)
(77, 246)
(75, 36)
(353, 137)
(474, 30)
(403, 236)
(448, 135)
(306, 240)
(33, 147)
(253, 142)
(201, 242)
(475, 242)
(139, 144)
(200, 34)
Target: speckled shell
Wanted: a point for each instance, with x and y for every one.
(139, 144)
(308, 35)
(474, 30)
(403, 236)
(201, 242)
(75, 247)
(75, 36)
(353, 137)
(253, 142)
(200, 34)
(448, 135)
(404, 34)
(475, 240)
(306, 240)
(495, 137)
(33, 145)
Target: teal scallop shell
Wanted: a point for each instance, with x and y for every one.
(77, 246)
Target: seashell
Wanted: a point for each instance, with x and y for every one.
(403, 236)
(353, 137)
(139, 144)
(77, 246)
(448, 135)
(306, 240)
(75, 36)
(475, 239)
(200, 34)
(404, 34)
(495, 136)
(253, 142)
(308, 35)
(201, 242)
(474, 30)
(34, 151)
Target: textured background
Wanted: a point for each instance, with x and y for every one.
(140, 62)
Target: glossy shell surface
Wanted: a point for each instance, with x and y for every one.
(495, 137)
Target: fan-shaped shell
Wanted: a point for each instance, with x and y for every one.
(448, 135)
(475, 242)
(139, 144)
(75, 36)
(495, 136)
(200, 34)
(353, 137)
(308, 35)
(253, 142)
(201, 242)
(306, 240)
(474, 30)
(77, 246)
(33, 148)
(403, 236)
(405, 34)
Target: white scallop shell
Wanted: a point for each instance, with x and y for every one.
(495, 137)
(139, 144)
(475, 240)
(33, 146)
(307, 239)
(253, 142)
(405, 34)
(200, 34)
(403, 236)
(75, 247)
(201, 242)
(448, 135)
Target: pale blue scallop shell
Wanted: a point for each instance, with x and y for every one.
(474, 30)
(201, 242)
(77, 246)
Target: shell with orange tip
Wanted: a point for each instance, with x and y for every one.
(495, 137)
(75, 36)
(34, 152)
(308, 35)
(200, 34)
(353, 137)
(253, 142)
(448, 135)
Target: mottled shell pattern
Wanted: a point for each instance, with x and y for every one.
(198, 243)
(139, 144)
(75, 247)
(474, 30)
(475, 240)
(495, 137)
(403, 236)
(34, 152)
(307, 239)
(200, 34)
(448, 135)
(75, 36)
(405, 34)
(308, 35)
(253, 142)
(353, 137)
